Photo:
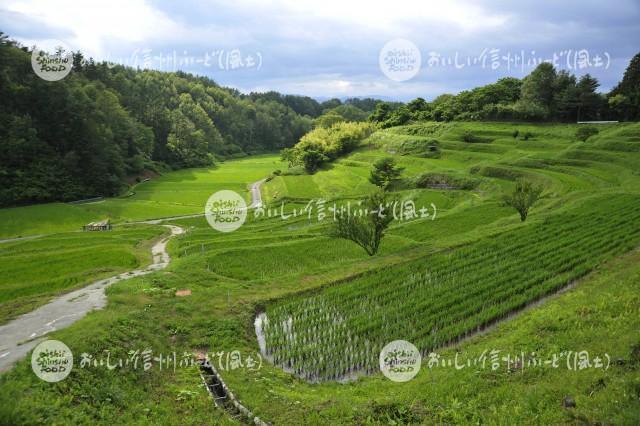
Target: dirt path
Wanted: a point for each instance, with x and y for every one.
(256, 196)
(21, 335)
(256, 201)
(30, 237)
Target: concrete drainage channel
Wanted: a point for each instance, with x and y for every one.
(222, 396)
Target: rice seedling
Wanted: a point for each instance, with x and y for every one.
(439, 299)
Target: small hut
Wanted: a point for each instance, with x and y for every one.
(103, 225)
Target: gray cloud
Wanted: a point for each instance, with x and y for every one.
(309, 50)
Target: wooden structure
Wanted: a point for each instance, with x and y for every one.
(103, 225)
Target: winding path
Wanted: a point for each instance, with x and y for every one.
(22, 334)
(256, 196)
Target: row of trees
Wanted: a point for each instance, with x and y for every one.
(544, 95)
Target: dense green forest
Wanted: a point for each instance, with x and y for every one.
(544, 95)
(102, 125)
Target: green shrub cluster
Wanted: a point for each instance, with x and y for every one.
(584, 133)
(326, 144)
(441, 180)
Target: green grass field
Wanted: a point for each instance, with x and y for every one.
(433, 283)
(35, 270)
(177, 193)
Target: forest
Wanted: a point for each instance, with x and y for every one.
(104, 125)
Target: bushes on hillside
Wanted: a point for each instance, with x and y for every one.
(470, 137)
(497, 172)
(444, 181)
(326, 144)
(584, 133)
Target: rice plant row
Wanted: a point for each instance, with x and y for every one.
(436, 300)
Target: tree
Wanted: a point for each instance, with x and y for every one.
(312, 159)
(368, 228)
(589, 101)
(327, 144)
(539, 86)
(417, 105)
(328, 119)
(630, 88)
(86, 134)
(620, 105)
(381, 113)
(567, 97)
(289, 155)
(384, 172)
(398, 117)
(523, 197)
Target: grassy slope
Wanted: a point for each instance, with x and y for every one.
(35, 270)
(144, 313)
(177, 193)
(601, 315)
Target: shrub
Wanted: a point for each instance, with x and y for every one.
(437, 180)
(368, 229)
(584, 133)
(294, 171)
(426, 148)
(469, 137)
(472, 138)
(515, 133)
(523, 197)
(326, 144)
(277, 172)
(384, 172)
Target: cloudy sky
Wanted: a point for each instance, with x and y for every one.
(327, 48)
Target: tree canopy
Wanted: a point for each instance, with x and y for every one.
(544, 95)
(86, 134)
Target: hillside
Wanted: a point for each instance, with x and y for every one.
(486, 265)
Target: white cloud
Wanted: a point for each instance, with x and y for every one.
(328, 47)
(334, 85)
(99, 26)
(93, 23)
(387, 15)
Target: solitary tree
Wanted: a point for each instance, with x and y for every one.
(366, 227)
(384, 171)
(523, 197)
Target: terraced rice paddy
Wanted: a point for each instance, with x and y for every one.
(439, 299)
